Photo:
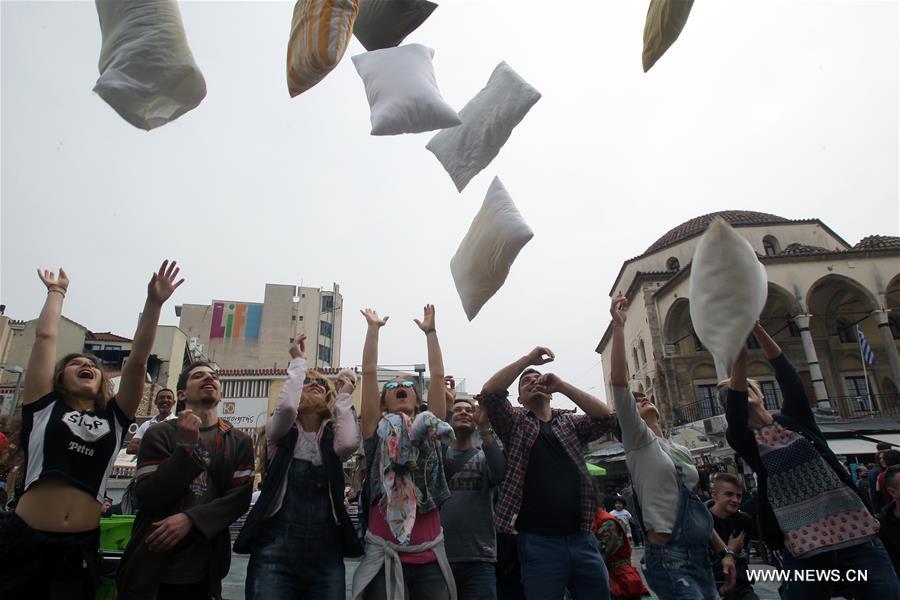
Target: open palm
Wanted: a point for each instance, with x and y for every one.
(162, 285)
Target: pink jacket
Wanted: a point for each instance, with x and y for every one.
(346, 430)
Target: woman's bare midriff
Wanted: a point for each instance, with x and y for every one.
(53, 505)
(658, 538)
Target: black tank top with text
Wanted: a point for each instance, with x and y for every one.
(78, 445)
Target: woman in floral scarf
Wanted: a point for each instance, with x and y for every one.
(405, 556)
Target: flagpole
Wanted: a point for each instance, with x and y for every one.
(862, 359)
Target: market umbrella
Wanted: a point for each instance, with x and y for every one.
(595, 470)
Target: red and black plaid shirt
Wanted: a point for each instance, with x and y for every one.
(518, 429)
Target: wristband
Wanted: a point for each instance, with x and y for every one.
(486, 432)
(726, 551)
(430, 330)
(57, 290)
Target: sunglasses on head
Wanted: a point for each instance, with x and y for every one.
(395, 384)
(318, 380)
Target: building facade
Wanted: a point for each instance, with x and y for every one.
(239, 335)
(820, 290)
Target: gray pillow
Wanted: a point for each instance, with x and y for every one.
(386, 23)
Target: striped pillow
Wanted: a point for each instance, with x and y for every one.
(320, 34)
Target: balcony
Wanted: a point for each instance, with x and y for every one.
(695, 411)
(874, 406)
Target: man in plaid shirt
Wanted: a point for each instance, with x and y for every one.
(546, 495)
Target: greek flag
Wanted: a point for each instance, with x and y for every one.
(865, 348)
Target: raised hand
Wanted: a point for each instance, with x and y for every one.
(345, 385)
(298, 347)
(550, 382)
(427, 322)
(188, 428)
(450, 389)
(540, 356)
(163, 283)
(372, 318)
(52, 282)
(619, 309)
(482, 417)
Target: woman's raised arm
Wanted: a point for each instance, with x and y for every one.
(39, 376)
(131, 389)
(437, 401)
(371, 402)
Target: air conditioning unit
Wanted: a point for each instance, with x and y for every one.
(716, 424)
(192, 343)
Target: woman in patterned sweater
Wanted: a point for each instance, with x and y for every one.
(809, 504)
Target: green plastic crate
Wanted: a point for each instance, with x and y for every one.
(115, 532)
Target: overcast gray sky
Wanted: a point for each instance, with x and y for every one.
(782, 107)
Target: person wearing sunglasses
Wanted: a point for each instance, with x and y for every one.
(299, 532)
(405, 556)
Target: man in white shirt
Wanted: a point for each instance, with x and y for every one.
(165, 400)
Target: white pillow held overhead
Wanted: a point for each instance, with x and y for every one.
(728, 290)
(147, 72)
(487, 122)
(402, 91)
(485, 255)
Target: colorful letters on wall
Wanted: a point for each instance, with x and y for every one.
(234, 320)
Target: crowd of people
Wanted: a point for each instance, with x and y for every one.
(462, 499)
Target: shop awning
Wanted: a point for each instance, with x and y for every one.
(595, 470)
(852, 446)
(890, 438)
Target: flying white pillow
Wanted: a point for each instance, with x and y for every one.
(728, 289)
(487, 122)
(147, 72)
(494, 239)
(402, 91)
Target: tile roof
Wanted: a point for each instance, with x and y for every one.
(878, 241)
(106, 336)
(798, 249)
(698, 225)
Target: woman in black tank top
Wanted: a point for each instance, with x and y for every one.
(72, 430)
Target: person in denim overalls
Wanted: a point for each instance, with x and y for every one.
(298, 532)
(683, 561)
(676, 524)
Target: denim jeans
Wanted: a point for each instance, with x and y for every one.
(475, 580)
(297, 554)
(423, 582)
(869, 557)
(679, 571)
(553, 563)
(680, 568)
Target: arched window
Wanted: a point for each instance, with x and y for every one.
(698, 345)
(845, 335)
(643, 352)
(672, 264)
(771, 245)
(637, 365)
(894, 324)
